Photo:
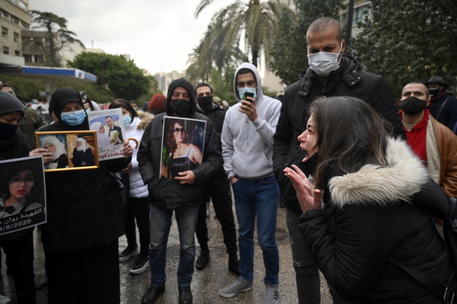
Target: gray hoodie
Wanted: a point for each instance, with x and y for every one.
(247, 147)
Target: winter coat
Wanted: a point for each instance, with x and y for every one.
(136, 130)
(444, 109)
(347, 80)
(84, 206)
(247, 147)
(375, 214)
(167, 192)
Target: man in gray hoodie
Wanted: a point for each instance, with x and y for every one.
(247, 150)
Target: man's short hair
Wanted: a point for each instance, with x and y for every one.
(323, 24)
(106, 117)
(427, 93)
(203, 84)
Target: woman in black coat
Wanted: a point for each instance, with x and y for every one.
(366, 208)
(18, 246)
(80, 238)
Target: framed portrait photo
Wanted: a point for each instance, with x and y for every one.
(110, 128)
(71, 150)
(183, 143)
(22, 194)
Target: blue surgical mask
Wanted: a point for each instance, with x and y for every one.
(323, 63)
(241, 92)
(127, 120)
(74, 118)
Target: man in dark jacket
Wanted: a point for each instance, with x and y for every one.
(181, 194)
(329, 74)
(443, 106)
(218, 188)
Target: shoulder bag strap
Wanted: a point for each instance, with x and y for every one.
(445, 293)
(441, 109)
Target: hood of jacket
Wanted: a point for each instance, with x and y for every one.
(349, 72)
(372, 184)
(183, 83)
(250, 66)
(146, 118)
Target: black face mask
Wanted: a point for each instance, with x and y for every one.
(7, 130)
(205, 103)
(180, 107)
(413, 105)
(434, 91)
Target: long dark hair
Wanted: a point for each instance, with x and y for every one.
(14, 169)
(171, 142)
(350, 135)
(122, 103)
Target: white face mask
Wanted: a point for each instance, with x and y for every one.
(324, 62)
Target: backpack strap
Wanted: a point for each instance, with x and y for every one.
(447, 294)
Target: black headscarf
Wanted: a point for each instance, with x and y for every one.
(59, 99)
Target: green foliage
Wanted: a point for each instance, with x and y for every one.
(253, 23)
(288, 50)
(25, 89)
(58, 36)
(120, 75)
(410, 44)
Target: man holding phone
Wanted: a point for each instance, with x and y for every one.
(247, 149)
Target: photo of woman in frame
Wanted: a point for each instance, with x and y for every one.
(57, 145)
(183, 145)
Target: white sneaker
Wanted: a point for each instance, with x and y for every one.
(240, 285)
(271, 294)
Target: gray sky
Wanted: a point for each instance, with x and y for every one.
(158, 34)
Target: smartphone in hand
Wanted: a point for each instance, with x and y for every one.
(248, 94)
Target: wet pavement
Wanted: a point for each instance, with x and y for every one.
(205, 284)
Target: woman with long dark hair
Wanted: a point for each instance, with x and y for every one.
(365, 210)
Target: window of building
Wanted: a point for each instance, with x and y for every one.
(16, 37)
(6, 50)
(28, 58)
(361, 13)
(4, 14)
(39, 58)
(25, 25)
(15, 19)
(4, 32)
(17, 53)
(22, 5)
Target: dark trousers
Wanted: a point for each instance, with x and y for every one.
(218, 188)
(89, 276)
(137, 209)
(19, 258)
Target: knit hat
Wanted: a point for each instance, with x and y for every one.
(437, 79)
(10, 104)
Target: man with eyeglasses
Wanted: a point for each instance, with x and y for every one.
(218, 188)
(247, 149)
(180, 195)
(329, 74)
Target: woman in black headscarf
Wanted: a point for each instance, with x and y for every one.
(80, 238)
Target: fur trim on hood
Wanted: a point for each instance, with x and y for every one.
(145, 119)
(404, 176)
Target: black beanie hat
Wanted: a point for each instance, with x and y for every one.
(10, 104)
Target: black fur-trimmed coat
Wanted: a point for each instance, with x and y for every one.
(372, 215)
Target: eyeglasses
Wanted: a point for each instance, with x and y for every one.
(177, 130)
(242, 84)
(28, 180)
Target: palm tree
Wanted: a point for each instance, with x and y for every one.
(256, 20)
(57, 38)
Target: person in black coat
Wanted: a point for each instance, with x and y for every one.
(80, 238)
(367, 208)
(330, 74)
(18, 246)
(180, 195)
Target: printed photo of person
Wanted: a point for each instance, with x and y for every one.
(21, 194)
(102, 137)
(114, 132)
(56, 145)
(82, 153)
(183, 145)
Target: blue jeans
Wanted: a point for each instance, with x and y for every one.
(160, 223)
(257, 197)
